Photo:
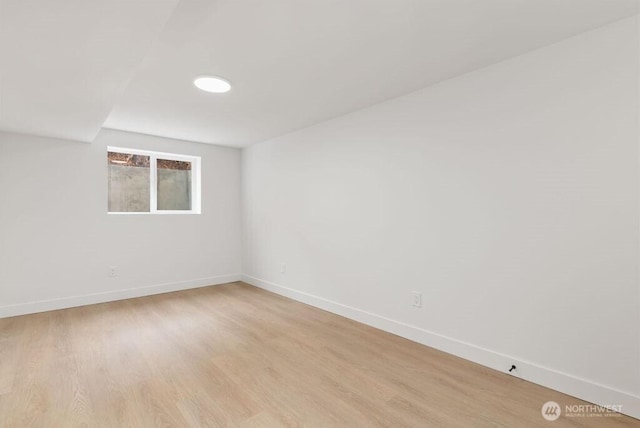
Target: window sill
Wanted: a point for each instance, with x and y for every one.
(156, 213)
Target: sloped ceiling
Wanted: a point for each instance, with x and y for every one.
(66, 66)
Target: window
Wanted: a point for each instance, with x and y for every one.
(151, 182)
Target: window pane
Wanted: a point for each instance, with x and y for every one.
(129, 181)
(174, 185)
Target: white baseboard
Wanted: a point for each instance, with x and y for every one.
(110, 296)
(562, 382)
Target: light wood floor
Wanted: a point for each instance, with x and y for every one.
(234, 355)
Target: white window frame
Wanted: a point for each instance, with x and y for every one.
(196, 203)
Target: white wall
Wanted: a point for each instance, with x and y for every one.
(57, 240)
(508, 197)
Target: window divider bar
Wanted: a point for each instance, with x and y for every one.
(153, 183)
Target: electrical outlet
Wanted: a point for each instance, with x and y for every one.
(417, 299)
(112, 271)
(283, 268)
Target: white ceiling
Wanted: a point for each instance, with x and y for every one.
(64, 62)
(66, 65)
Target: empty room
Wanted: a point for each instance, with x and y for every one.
(319, 213)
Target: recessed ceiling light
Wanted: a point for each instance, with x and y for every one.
(213, 84)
